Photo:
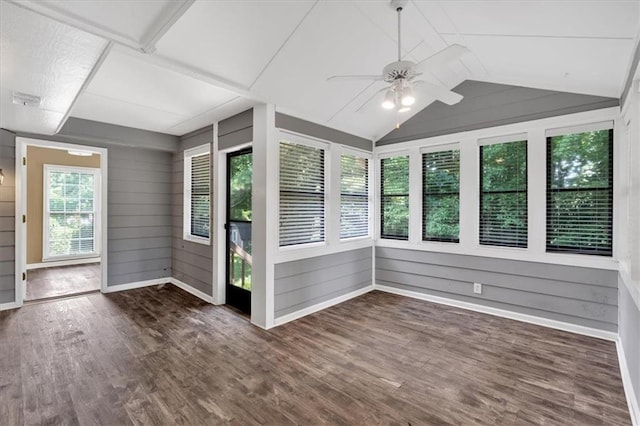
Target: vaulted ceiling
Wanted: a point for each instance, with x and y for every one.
(176, 66)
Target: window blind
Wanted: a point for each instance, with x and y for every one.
(580, 193)
(394, 198)
(441, 196)
(354, 196)
(302, 196)
(503, 194)
(200, 195)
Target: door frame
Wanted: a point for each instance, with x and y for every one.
(220, 218)
(21, 209)
(228, 156)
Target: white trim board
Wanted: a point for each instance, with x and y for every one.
(627, 383)
(191, 290)
(10, 305)
(137, 284)
(558, 325)
(160, 281)
(69, 262)
(320, 306)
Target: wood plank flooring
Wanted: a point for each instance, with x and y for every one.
(44, 283)
(160, 356)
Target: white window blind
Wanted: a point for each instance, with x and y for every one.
(441, 196)
(580, 192)
(354, 196)
(503, 194)
(200, 196)
(394, 198)
(197, 195)
(71, 212)
(302, 194)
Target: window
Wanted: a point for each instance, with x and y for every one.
(71, 211)
(580, 192)
(302, 194)
(503, 194)
(197, 195)
(394, 198)
(354, 196)
(441, 196)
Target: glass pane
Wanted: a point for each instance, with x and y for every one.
(239, 220)
(394, 174)
(240, 176)
(71, 178)
(580, 193)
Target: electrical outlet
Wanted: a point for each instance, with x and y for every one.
(477, 288)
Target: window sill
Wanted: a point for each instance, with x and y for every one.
(198, 240)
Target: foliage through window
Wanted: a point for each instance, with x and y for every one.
(441, 196)
(580, 193)
(302, 194)
(70, 212)
(197, 194)
(394, 198)
(503, 194)
(354, 196)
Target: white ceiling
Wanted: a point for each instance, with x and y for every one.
(214, 58)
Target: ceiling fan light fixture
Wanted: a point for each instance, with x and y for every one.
(404, 109)
(389, 100)
(407, 98)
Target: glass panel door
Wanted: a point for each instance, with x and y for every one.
(238, 225)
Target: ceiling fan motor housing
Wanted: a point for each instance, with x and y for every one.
(399, 70)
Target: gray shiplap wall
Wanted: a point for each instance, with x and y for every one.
(235, 130)
(303, 283)
(7, 217)
(304, 127)
(192, 262)
(582, 296)
(488, 105)
(629, 330)
(139, 215)
(138, 199)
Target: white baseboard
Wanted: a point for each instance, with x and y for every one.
(137, 284)
(10, 305)
(629, 391)
(194, 291)
(559, 325)
(320, 306)
(68, 262)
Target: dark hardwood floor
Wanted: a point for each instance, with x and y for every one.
(161, 356)
(62, 281)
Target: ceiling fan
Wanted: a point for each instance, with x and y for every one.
(402, 75)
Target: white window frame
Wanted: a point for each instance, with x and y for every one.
(186, 201)
(97, 197)
(470, 141)
(370, 182)
(299, 139)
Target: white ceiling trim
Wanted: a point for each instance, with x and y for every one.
(146, 44)
(86, 83)
(196, 73)
(284, 43)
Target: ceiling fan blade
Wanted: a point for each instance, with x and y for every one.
(441, 93)
(355, 77)
(443, 57)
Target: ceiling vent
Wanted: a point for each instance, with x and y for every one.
(26, 99)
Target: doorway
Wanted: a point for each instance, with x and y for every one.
(61, 220)
(238, 229)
